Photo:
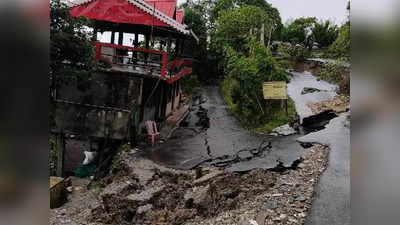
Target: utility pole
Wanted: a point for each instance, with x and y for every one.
(262, 39)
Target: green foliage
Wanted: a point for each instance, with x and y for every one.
(52, 155)
(243, 86)
(278, 117)
(197, 20)
(324, 33)
(335, 73)
(227, 5)
(69, 39)
(294, 53)
(298, 53)
(190, 83)
(233, 27)
(298, 30)
(116, 162)
(341, 47)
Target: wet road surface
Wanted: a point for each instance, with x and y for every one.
(191, 146)
(303, 80)
(332, 203)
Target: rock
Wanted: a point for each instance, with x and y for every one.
(301, 199)
(182, 215)
(118, 188)
(261, 218)
(271, 205)
(147, 194)
(284, 130)
(307, 90)
(144, 208)
(252, 222)
(198, 196)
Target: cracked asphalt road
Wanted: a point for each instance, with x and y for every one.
(187, 148)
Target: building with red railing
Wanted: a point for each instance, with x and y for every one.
(141, 59)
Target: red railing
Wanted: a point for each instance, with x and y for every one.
(133, 59)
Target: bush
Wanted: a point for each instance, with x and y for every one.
(243, 86)
(336, 74)
(190, 83)
(341, 47)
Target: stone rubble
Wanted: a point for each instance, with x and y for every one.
(150, 194)
(284, 130)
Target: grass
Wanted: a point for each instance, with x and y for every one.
(277, 117)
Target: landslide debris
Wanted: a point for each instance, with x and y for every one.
(150, 194)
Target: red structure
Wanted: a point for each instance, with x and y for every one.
(137, 79)
(152, 19)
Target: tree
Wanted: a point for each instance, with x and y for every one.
(70, 40)
(196, 19)
(234, 27)
(246, 76)
(341, 46)
(298, 30)
(324, 33)
(275, 21)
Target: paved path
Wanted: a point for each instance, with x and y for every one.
(225, 136)
(332, 203)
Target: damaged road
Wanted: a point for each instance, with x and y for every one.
(142, 192)
(332, 203)
(213, 136)
(214, 172)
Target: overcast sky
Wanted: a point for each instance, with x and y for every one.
(323, 9)
(334, 10)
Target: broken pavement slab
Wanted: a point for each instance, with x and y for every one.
(284, 130)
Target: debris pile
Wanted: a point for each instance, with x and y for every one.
(155, 195)
(338, 105)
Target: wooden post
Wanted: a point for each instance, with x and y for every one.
(147, 40)
(147, 45)
(287, 114)
(60, 146)
(177, 46)
(169, 44)
(137, 39)
(120, 38)
(112, 37)
(94, 38)
(183, 47)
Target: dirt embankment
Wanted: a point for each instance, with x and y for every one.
(330, 72)
(143, 192)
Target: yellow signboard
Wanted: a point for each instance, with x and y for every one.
(275, 90)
